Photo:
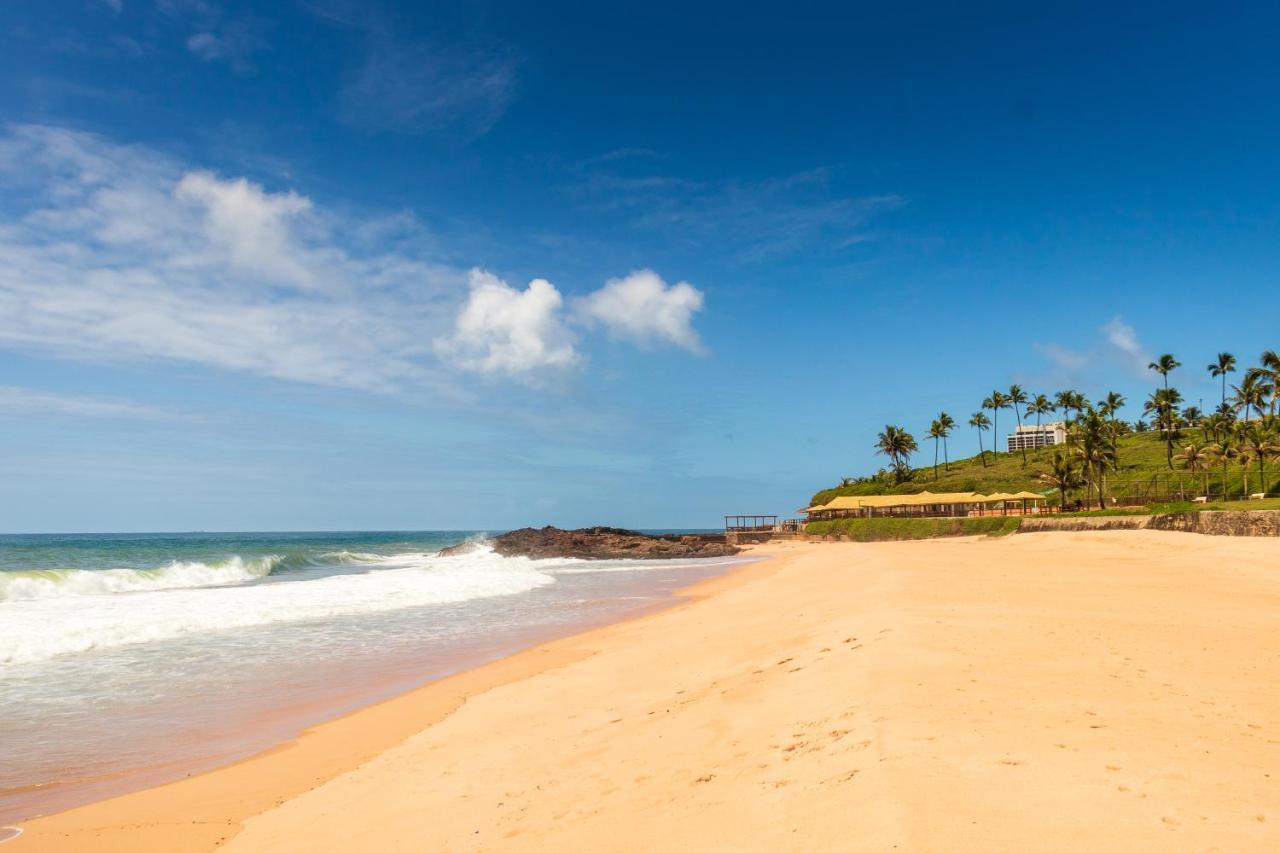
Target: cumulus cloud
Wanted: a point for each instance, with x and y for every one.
(644, 308)
(502, 330)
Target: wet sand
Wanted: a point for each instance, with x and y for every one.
(1058, 691)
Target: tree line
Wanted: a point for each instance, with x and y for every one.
(1243, 429)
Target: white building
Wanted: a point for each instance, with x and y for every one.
(1031, 436)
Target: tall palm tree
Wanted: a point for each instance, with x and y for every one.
(981, 423)
(1062, 475)
(935, 432)
(1040, 405)
(1268, 373)
(1062, 400)
(1016, 398)
(948, 423)
(898, 444)
(995, 403)
(1195, 459)
(1225, 363)
(1163, 405)
(1164, 365)
(1108, 408)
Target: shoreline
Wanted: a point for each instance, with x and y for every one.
(253, 783)
(1065, 691)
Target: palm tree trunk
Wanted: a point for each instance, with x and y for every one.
(982, 453)
(935, 457)
(1017, 414)
(946, 460)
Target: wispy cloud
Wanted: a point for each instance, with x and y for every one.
(1123, 339)
(419, 82)
(233, 43)
(1060, 356)
(16, 400)
(114, 252)
(755, 220)
(418, 86)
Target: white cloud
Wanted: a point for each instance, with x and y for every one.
(112, 252)
(643, 307)
(16, 400)
(502, 330)
(1124, 338)
(250, 224)
(118, 253)
(233, 42)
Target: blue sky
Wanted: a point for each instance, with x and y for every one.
(319, 264)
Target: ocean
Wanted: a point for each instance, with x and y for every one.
(127, 660)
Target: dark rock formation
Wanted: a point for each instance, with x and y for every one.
(606, 543)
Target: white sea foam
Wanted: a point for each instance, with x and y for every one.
(61, 583)
(37, 628)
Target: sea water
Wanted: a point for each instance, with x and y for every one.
(131, 659)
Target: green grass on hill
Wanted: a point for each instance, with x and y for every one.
(1142, 472)
(894, 529)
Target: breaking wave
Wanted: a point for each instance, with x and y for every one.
(44, 614)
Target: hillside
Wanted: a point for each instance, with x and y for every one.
(1143, 473)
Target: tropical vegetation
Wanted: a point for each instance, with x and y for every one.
(1170, 451)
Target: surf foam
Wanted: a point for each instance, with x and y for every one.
(36, 628)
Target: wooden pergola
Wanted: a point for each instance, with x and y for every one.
(749, 523)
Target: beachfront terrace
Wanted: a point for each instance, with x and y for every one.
(930, 505)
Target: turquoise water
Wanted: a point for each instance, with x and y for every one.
(128, 659)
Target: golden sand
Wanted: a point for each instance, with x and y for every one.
(1082, 691)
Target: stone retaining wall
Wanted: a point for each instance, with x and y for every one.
(1263, 522)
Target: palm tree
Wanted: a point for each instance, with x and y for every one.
(935, 432)
(1259, 444)
(1110, 405)
(1062, 475)
(1195, 418)
(980, 422)
(1062, 400)
(1268, 373)
(1039, 405)
(1250, 394)
(898, 444)
(1016, 397)
(1165, 365)
(1225, 364)
(995, 403)
(1195, 458)
(1225, 453)
(1091, 445)
(948, 423)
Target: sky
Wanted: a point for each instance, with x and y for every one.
(320, 264)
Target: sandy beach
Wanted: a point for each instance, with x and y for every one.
(1082, 691)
